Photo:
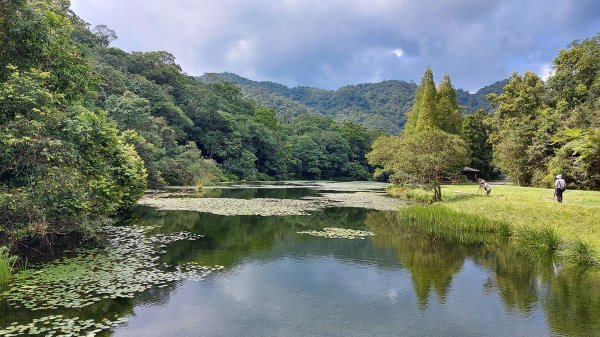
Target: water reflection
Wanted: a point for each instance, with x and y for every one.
(433, 262)
(251, 193)
(570, 300)
(229, 239)
(258, 249)
(398, 282)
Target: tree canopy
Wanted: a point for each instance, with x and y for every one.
(429, 149)
(476, 132)
(65, 167)
(541, 129)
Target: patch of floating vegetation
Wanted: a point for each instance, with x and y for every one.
(339, 233)
(229, 206)
(61, 326)
(274, 207)
(126, 265)
(356, 186)
(314, 184)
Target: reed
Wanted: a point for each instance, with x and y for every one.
(582, 255)
(441, 222)
(540, 243)
(8, 264)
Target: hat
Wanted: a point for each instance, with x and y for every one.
(559, 176)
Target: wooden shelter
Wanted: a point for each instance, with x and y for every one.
(471, 173)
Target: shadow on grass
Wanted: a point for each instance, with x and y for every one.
(458, 196)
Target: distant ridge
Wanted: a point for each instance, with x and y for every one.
(380, 105)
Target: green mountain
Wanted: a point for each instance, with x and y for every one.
(380, 105)
(478, 100)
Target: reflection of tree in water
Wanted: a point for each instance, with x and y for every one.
(570, 300)
(229, 239)
(516, 277)
(250, 193)
(155, 296)
(572, 303)
(432, 263)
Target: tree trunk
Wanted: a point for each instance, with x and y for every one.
(437, 193)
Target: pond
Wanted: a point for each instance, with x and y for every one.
(189, 273)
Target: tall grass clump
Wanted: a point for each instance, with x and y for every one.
(540, 243)
(7, 266)
(441, 222)
(582, 255)
(417, 195)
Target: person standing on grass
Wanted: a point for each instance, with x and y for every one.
(483, 184)
(560, 185)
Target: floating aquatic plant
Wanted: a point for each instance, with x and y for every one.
(338, 233)
(275, 207)
(61, 326)
(127, 265)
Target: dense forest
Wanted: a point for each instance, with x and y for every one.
(538, 129)
(544, 128)
(380, 106)
(174, 121)
(85, 128)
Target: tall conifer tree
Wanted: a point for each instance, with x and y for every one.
(423, 111)
(447, 111)
(435, 107)
(426, 105)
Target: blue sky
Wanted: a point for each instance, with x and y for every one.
(331, 43)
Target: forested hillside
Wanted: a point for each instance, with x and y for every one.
(380, 105)
(174, 121)
(473, 102)
(85, 127)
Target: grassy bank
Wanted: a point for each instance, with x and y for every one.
(535, 219)
(438, 222)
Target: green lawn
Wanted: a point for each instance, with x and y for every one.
(578, 217)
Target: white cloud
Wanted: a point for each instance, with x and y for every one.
(545, 71)
(398, 52)
(241, 50)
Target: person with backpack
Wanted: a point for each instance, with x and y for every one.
(485, 186)
(560, 185)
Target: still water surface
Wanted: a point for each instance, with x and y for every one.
(277, 282)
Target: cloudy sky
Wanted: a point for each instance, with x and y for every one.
(331, 43)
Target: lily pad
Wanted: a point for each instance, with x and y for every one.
(338, 233)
